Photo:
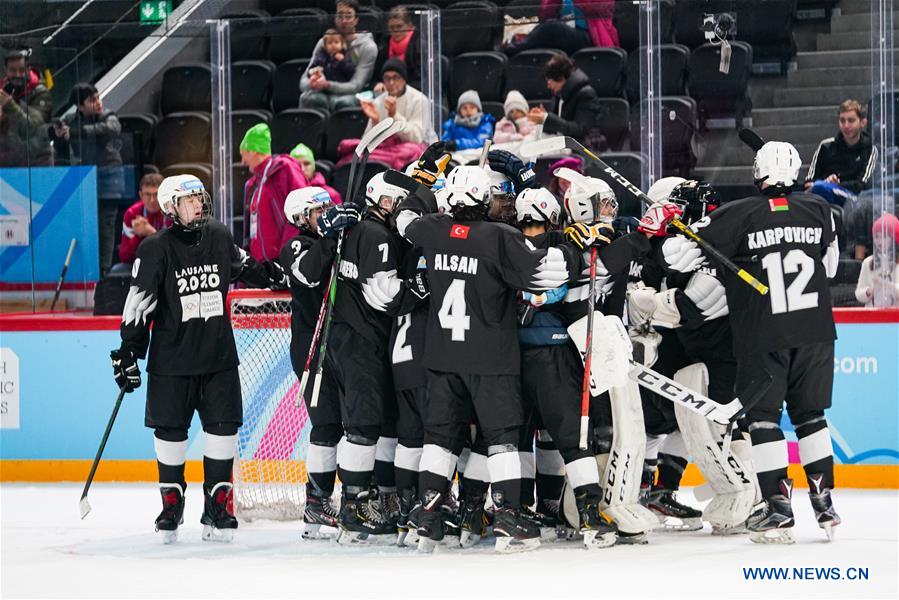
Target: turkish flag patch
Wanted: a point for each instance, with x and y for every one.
(459, 231)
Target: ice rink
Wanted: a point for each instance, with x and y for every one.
(47, 551)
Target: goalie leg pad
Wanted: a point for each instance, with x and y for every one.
(611, 351)
(729, 476)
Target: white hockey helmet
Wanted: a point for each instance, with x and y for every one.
(442, 204)
(661, 189)
(173, 189)
(300, 203)
(777, 164)
(378, 190)
(468, 185)
(537, 205)
(587, 199)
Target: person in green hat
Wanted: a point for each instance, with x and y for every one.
(272, 178)
(306, 159)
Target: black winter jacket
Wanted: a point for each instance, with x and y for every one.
(854, 165)
(575, 110)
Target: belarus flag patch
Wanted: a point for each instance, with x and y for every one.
(459, 231)
(778, 204)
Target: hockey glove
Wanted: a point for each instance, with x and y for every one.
(337, 218)
(125, 369)
(521, 175)
(682, 254)
(432, 163)
(418, 284)
(655, 221)
(277, 275)
(586, 236)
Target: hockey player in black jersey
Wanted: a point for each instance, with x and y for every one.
(788, 241)
(179, 284)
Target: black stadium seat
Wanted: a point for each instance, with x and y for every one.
(341, 175)
(628, 164)
(347, 123)
(768, 26)
(294, 33)
(372, 19)
(137, 129)
(718, 94)
(627, 22)
(494, 108)
(679, 123)
(187, 88)
(295, 125)
(286, 84)
(248, 29)
(241, 121)
(326, 168)
(468, 26)
(605, 67)
(522, 9)
(251, 84)
(673, 61)
(614, 121)
(525, 72)
(481, 71)
(183, 137)
(203, 171)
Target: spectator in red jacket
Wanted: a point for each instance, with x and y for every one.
(571, 25)
(306, 159)
(142, 219)
(273, 177)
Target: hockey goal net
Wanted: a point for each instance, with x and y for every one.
(270, 469)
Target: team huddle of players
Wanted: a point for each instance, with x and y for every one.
(457, 346)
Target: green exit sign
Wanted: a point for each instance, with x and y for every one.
(154, 13)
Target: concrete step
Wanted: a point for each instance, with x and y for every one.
(828, 77)
(859, 23)
(740, 175)
(806, 41)
(761, 90)
(799, 135)
(737, 154)
(786, 116)
(836, 59)
(845, 41)
(818, 96)
(854, 7)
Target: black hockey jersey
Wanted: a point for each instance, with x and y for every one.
(784, 242)
(307, 259)
(179, 284)
(407, 336)
(474, 269)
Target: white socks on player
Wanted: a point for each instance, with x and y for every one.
(219, 447)
(407, 458)
(321, 459)
(355, 457)
(436, 460)
(170, 453)
(582, 471)
(385, 449)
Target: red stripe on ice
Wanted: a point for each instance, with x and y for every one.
(284, 429)
(793, 453)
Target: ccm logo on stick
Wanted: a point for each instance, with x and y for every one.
(459, 231)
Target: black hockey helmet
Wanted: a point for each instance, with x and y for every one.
(695, 198)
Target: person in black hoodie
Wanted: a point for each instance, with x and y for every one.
(844, 164)
(575, 110)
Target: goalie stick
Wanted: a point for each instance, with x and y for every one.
(377, 134)
(558, 143)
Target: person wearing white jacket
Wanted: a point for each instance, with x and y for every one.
(402, 102)
(878, 283)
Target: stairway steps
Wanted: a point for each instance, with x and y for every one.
(818, 96)
(804, 78)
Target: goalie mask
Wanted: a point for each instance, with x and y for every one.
(185, 201)
(537, 205)
(695, 199)
(382, 197)
(302, 206)
(661, 189)
(588, 199)
(502, 197)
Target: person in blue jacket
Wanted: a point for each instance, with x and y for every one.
(468, 127)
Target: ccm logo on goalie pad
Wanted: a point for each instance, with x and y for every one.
(460, 232)
(612, 469)
(668, 389)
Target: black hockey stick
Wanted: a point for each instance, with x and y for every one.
(62, 275)
(751, 139)
(557, 144)
(84, 506)
(377, 134)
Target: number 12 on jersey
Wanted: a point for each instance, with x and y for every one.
(793, 297)
(452, 311)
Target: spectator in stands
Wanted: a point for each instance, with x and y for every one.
(468, 127)
(403, 43)
(25, 109)
(844, 164)
(575, 109)
(571, 25)
(321, 93)
(93, 136)
(559, 186)
(273, 177)
(878, 279)
(515, 126)
(306, 159)
(332, 61)
(142, 219)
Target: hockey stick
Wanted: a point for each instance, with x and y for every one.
(84, 506)
(585, 385)
(377, 134)
(485, 151)
(62, 276)
(558, 143)
(751, 139)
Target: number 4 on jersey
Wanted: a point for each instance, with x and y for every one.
(452, 312)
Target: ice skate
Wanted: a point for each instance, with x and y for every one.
(472, 520)
(725, 529)
(319, 511)
(674, 515)
(361, 522)
(514, 532)
(406, 498)
(172, 514)
(596, 528)
(822, 504)
(218, 522)
(771, 521)
(431, 522)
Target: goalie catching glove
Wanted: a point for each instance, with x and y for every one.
(125, 369)
(586, 236)
(431, 164)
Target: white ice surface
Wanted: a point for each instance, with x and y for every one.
(47, 551)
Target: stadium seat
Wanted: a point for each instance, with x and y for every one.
(679, 124)
(768, 26)
(628, 164)
(251, 84)
(240, 173)
(469, 26)
(522, 9)
(525, 72)
(294, 33)
(673, 61)
(341, 175)
(286, 84)
(138, 131)
(249, 29)
(627, 22)
(326, 168)
(241, 121)
(605, 67)
(183, 137)
(373, 20)
(480, 71)
(348, 123)
(295, 125)
(494, 108)
(614, 121)
(187, 88)
(203, 171)
(718, 94)
(876, 112)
